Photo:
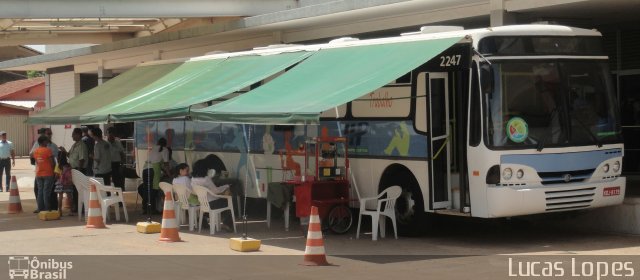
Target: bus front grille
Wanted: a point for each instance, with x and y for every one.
(569, 199)
(564, 177)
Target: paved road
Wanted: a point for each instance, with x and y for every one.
(455, 248)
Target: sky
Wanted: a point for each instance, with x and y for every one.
(39, 48)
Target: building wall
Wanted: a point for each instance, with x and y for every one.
(18, 132)
(62, 86)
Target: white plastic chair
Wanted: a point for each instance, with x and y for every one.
(81, 182)
(214, 214)
(390, 195)
(166, 187)
(212, 173)
(113, 200)
(131, 186)
(286, 215)
(183, 193)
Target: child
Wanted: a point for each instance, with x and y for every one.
(182, 178)
(64, 184)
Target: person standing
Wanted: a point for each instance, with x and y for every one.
(101, 156)
(44, 175)
(153, 170)
(89, 142)
(117, 157)
(78, 153)
(7, 159)
(46, 132)
(78, 157)
(159, 160)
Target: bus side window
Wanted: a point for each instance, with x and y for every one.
(475, 120)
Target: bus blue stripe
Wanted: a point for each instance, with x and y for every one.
(562, 161)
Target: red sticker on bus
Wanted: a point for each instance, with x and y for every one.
(611, 191)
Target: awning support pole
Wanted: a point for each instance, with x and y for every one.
(353, 179)
(247, 141)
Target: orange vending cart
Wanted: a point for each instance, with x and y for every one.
(325, 183)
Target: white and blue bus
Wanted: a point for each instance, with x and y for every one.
(510, 121)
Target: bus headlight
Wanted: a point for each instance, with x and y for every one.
(507, 173)
(519, 174)
(616, 166)
(605, 168)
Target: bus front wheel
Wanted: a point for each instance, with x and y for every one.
(409, 207)
(410, 212)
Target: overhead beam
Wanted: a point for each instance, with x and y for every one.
(160, 26)
(140, 8)
(517, 5)
(339, 27)
(15, 39)
(6, 23)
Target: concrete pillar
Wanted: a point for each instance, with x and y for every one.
(499, 15)
(63, 84)
(104, 75)
(47, 92)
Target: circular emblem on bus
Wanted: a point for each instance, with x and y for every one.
(517, 129)
(567, 178)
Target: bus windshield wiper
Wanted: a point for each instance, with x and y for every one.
(541, 143)
(583, 126)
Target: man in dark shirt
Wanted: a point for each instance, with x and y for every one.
(88, 140)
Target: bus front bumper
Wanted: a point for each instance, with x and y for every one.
(506, 201)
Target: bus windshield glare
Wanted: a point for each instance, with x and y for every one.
(549, 103)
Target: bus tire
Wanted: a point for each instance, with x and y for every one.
(214, 162)
(410, 214)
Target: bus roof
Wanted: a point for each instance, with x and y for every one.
(471, 35)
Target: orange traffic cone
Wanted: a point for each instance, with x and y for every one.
(94, 215)
(169, 230)
(15, 206)
(314, 252)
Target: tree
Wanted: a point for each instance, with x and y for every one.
(34, 74)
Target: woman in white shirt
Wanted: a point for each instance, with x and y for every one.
(200, 178)
(159, 160)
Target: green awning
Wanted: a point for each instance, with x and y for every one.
(78, 110)
(196, 82)
(328, 78)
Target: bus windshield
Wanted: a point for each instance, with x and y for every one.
(550, 103)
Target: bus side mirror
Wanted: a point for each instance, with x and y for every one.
(486, 79)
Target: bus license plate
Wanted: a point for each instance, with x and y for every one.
(611, 191)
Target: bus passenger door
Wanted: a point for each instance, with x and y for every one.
(439, 148)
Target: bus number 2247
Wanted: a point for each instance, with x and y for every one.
(452, 60)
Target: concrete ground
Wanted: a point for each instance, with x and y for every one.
(454, 249)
